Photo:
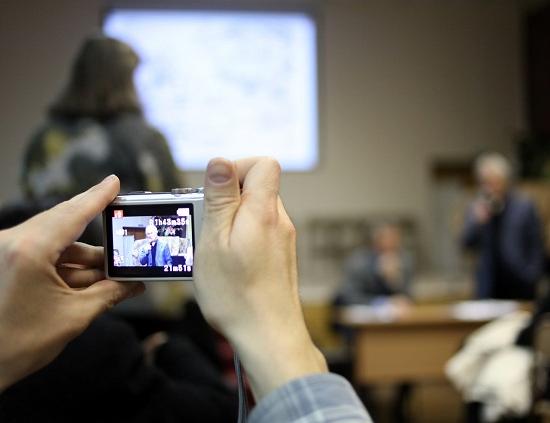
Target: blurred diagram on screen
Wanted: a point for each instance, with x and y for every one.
(214, 80)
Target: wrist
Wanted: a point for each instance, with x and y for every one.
(274, 356)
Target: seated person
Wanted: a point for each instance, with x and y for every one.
(375, 275)
(155, 252)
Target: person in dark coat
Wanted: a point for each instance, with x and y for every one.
(96, 128)
(504, 228)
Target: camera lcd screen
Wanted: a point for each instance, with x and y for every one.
(150, 241)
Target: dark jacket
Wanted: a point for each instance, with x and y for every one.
(518, 244)
(65, 157)
(102, 376)
(363, 283)
(162, 254)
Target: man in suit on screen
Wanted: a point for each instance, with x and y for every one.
(155, 252)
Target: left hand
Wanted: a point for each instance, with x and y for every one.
(51, 288)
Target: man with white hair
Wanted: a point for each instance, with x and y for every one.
(154, 252)
(505, 229)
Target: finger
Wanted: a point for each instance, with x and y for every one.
(83, 254)
(260, 178)
(283, 215)
(222, 197)
(63, 224)
(80, 278)
(105, 294)
(261, 173)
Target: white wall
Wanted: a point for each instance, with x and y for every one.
(403, 82)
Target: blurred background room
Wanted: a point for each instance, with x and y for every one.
(378, 111)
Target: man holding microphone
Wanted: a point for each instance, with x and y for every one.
(154, 252)
(504, 228)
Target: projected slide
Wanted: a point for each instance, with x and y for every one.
(230, 84)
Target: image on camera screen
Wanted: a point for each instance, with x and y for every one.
(150, 241)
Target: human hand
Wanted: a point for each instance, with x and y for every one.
(481, 211)
(389, 265)
(401, 305)
(246, 279)
(152, 343)
(51, 288)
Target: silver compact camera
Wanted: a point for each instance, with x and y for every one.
(150, 236)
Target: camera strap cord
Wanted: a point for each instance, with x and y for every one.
(243, 403)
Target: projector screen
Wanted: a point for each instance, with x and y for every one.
(226, 83)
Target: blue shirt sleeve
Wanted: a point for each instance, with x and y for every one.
(316, 398)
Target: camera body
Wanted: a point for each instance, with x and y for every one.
(152, 236)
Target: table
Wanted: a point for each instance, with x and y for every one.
(412, 347)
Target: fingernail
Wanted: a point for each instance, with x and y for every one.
(109, 178)
(137, 289)
(219, 172)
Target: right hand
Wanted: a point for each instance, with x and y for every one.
(246, 275)
(481, 211)
(390, 266)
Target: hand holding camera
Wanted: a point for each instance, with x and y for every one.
(246, 277)
(51, 287)
(246, 280)
(246, 283)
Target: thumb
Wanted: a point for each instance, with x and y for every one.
(222, 196)
(105, 294)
